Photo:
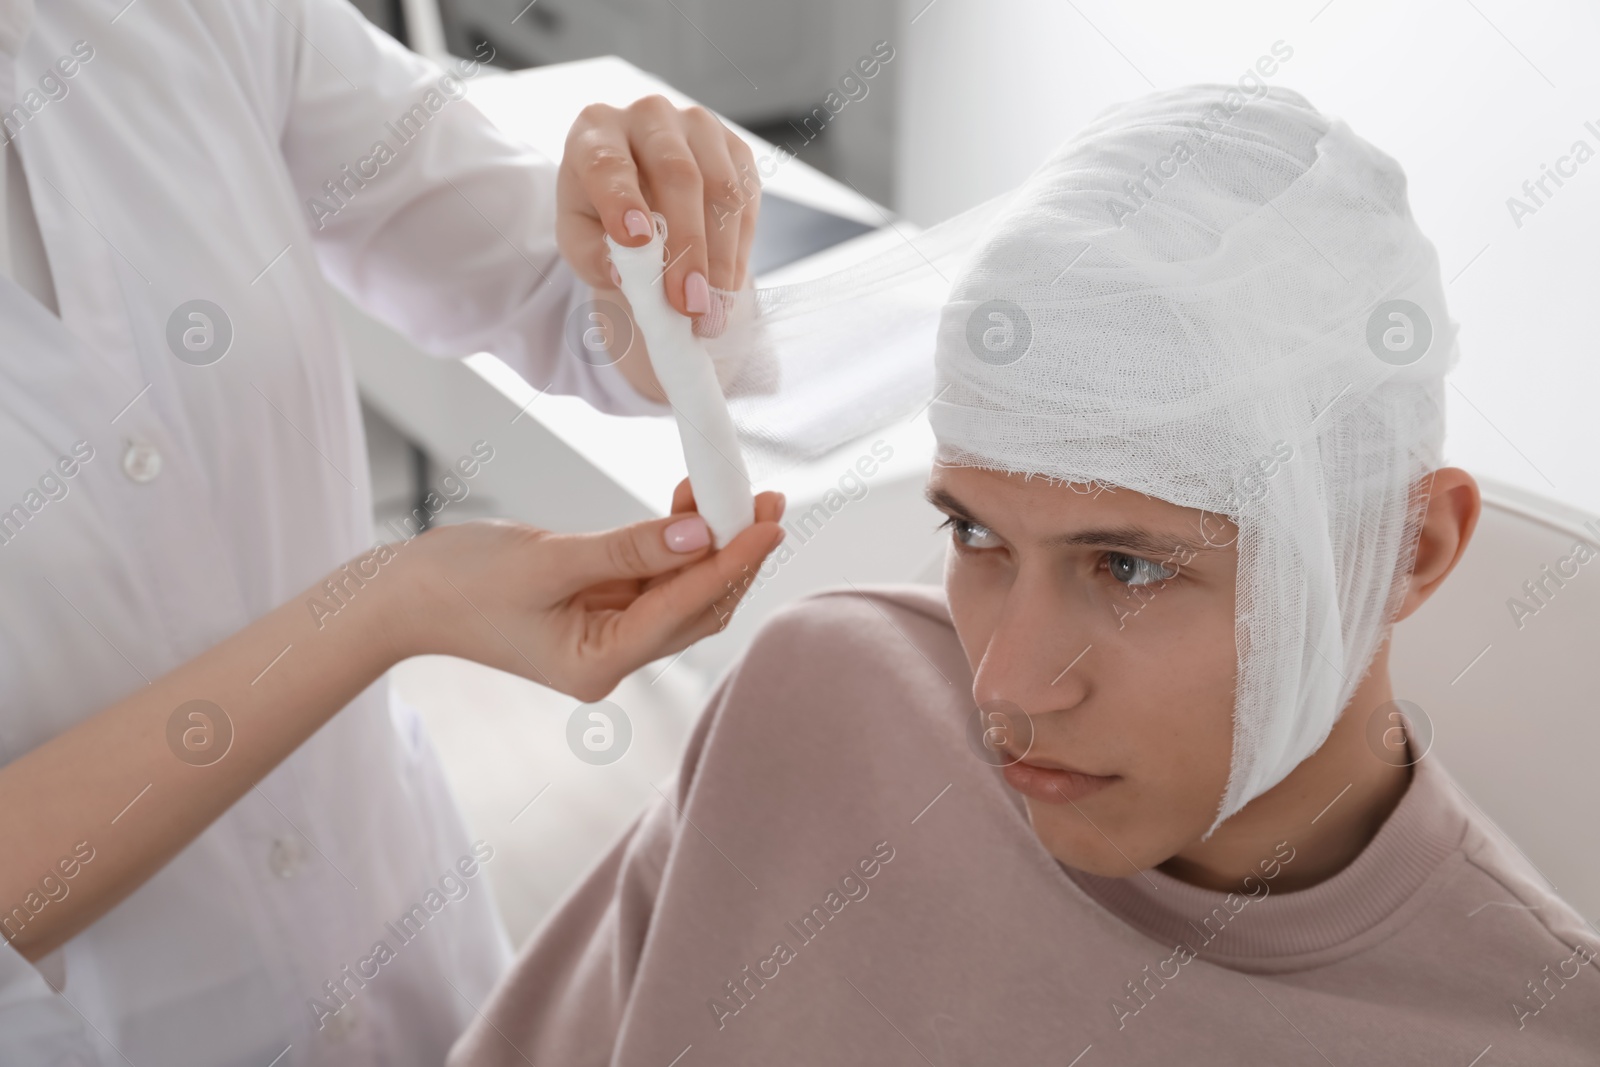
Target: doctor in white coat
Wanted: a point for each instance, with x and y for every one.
(222, 843)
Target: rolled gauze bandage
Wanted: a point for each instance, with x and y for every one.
(687, 375)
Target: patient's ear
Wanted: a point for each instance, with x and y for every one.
(1453, 503)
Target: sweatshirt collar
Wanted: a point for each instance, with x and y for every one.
(1422, 832)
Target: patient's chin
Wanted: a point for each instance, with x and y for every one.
(1071, 837)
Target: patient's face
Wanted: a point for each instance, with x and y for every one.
(1109, 621)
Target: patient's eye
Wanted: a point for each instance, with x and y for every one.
(969, 534)
(1134, 570)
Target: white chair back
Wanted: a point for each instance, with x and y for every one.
(1512, 692)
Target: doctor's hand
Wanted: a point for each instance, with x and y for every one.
(575, 612)
(620, 164)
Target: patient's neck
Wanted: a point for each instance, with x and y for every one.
(1328, 809)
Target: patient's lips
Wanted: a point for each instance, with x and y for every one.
(1053, 783)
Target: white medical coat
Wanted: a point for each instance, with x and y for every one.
(179, 163)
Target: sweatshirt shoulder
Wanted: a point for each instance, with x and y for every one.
(859, 645)
(1505, 921)
(881, 622)
(821, 669)
(1492, 875)
(1508, 881)
(847, 604)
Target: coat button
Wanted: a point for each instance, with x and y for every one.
(141, 462)
(287, 856)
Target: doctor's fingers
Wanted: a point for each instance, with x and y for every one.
(621, 164)
(695, 603)
(769, 504)
(597, 193)
(683, 497)
(769, 508)
(576, 562)
(631, 162)
(672, 182)
(732, 196)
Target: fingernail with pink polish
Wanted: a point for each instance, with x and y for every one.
(714, 322)
(688, 535)
(637, 222)
(696, 293)
(616, 279)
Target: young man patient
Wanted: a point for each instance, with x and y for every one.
(1134, 787)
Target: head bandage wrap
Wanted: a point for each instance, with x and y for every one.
(1229, 310)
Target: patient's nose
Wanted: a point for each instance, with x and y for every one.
(1038, 657)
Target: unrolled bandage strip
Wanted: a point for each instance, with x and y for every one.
(687, 375)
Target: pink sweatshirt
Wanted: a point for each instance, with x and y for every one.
(838, 880)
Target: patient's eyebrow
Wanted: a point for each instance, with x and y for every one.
(1136, 539)
(941, 498)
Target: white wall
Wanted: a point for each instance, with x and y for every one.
(1470, 97)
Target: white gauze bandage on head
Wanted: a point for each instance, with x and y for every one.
(1231, 310)
(689, 378)
(1216, 300)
